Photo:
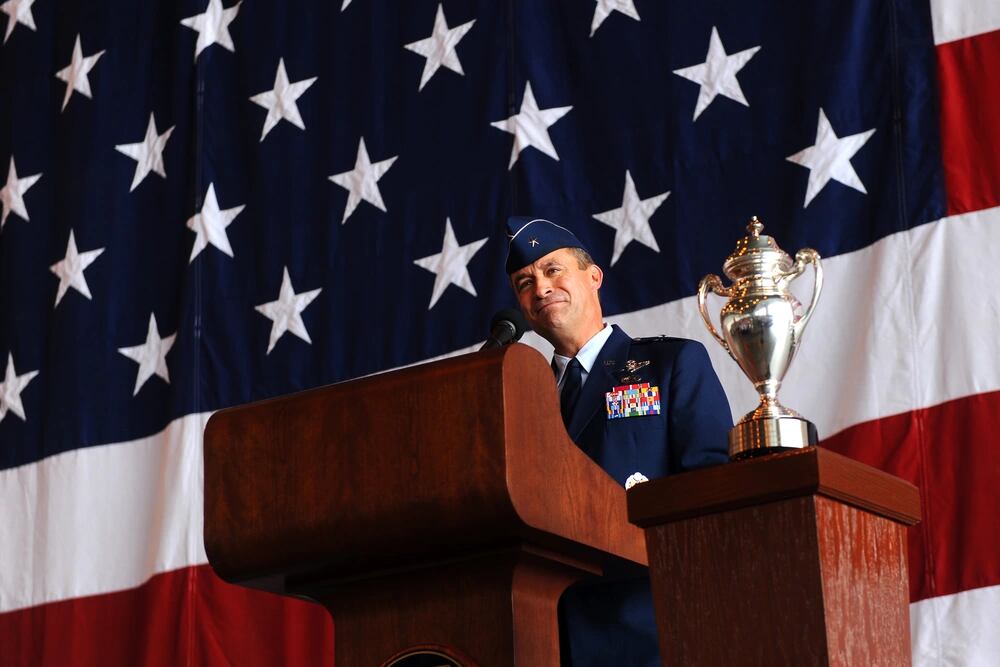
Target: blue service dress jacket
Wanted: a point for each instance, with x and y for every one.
(610, 621)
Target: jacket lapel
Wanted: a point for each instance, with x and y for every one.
(600, 380)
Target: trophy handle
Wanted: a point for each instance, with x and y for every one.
(713, 283)
(803, 257)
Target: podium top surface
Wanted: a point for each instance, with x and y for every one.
(440, 459)
(809, 471)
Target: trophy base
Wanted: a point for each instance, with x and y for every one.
(757, 437)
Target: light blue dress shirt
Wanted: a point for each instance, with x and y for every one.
(586, 356)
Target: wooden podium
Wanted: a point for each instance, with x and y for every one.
(796, 558)
(436, 510)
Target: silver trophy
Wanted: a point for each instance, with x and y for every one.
(762, 324)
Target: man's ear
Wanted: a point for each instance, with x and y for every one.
(596, 276)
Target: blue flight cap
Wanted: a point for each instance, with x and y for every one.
(531, 238)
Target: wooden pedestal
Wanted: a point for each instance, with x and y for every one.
(492, 609)
(792, 559)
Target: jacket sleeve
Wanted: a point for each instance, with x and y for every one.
(699, 413)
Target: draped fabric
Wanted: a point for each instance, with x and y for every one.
(210, 202)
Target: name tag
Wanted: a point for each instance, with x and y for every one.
(632, 400)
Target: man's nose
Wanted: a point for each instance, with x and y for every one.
(543, 286)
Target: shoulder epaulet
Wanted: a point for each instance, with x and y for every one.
(649, 339)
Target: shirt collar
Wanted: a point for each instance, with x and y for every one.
(587, 354)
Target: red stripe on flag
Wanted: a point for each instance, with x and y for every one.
(949, 451)
(184, 617)
(969, 72)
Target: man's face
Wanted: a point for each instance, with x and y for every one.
(556, 295)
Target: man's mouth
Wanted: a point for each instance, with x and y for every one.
(545, 304)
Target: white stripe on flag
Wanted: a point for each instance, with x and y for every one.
(103, 518)
(959, 629)
(958, 19)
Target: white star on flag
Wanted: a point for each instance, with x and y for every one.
(631, 220)
(70, 269)
(17, 11)
(717, 75)
(209, 225)
(151, 355)
(11, 388)
(830, 158)
(439, 48)
(530, 126)
(12, 194)
(213, 26)
(280, 100)
(285, 313)
(362, 181)
(75, 74)
(148, 153)
(605, 7)
(450, 266)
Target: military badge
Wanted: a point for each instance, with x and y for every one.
(628, 375)
(632, 400)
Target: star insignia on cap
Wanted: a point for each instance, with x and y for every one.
(533, 242)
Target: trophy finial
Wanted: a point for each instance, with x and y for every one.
(755, 227)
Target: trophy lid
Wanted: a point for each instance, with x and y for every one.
(756, 254)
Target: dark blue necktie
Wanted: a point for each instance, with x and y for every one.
(570, 389)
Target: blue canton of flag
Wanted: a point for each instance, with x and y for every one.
(213, 203)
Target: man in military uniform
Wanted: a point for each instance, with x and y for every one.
(641, 409)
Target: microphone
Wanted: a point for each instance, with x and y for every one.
(507, 326)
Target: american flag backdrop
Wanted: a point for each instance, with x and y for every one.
(210, 202)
